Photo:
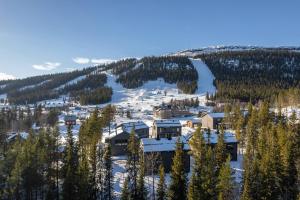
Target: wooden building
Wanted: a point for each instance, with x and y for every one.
(212, 120)
(162, 151)
(70, 120)
(118, 138)
(166, 129)
(229, 139)
(169, 111)
(194, 123)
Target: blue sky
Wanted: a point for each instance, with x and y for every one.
(38, 37)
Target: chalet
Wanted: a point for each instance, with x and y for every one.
(118, 138)
(194, 123)
(167, 111)
(166, 129)
(140, 128)
(70, 120)
(162, 151)
(229, 139)
(212, 120)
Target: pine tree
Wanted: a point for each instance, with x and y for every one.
(83, 175)
(225, 184)
(209, 178)
(132, 164)
(142, 190)
(161, 188)
(108, 175)
(70, 187)
(125, 195)
(220, 151)
(198, 147)
(178, 185)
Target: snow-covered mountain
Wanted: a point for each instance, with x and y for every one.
(239, 72)
(221, 48)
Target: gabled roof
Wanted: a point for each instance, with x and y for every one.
(167, 123)
(153, 145)
(216, 115)
(127, 127)
(228, 137)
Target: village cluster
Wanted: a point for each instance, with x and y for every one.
(159, 136)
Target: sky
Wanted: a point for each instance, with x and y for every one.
(41, 37)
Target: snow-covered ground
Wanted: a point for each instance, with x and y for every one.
(205, 77)
(119, 174)
(33, 86)
(140, 101)
(72, 82)
(3, 96)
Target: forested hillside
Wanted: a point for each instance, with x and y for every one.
(253, 74)
(242, 74)
(88, 85)
(133, 73)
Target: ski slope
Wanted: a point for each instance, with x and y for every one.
(205, 77)
(140, 101)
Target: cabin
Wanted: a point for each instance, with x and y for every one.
(70, 120)
(140, 128)
(167, 111)
(194, 123)
(166, 129)
(161, 151)
(212, 120)
(118, 138)
(229, 139)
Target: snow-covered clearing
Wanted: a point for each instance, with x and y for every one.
(33, 86)
(72, 82)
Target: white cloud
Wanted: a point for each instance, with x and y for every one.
(102, 61)
(81, 60)
(4, 76)
(47, 66)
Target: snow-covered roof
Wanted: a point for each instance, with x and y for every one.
(167, 123)
(163, 144)
(113, 132)
(70, 117)
(127, 127)
(195, 120)
(23, 135)
(228, 137)
(217, 115)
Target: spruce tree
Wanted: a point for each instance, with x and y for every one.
(142, 190)
(125, 195)
(220, 151)
(225, 184)
(108, 174)
(161, 188)
(70, 187)
(132, 164)
(178, 185)
(198, 147)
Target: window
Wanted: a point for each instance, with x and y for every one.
(121, 142)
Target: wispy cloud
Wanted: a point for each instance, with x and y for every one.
(102, 61)
(81, 60)
(47, 66)
(4, 76)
